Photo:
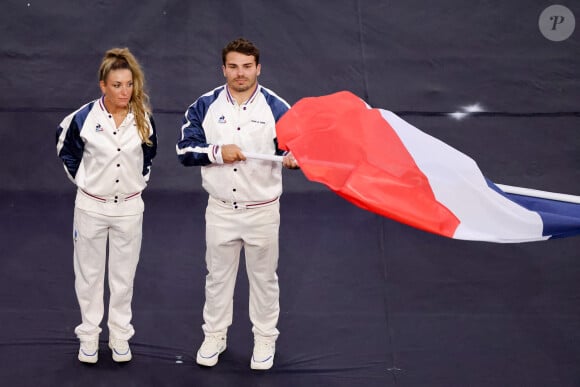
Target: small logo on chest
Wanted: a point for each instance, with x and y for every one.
(98, 128)
(222, 119)
(259, 122)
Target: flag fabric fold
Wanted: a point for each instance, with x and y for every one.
(381, 163)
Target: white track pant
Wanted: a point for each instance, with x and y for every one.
(91, 232)
(227, 231)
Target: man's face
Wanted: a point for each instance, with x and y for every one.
(241, 71)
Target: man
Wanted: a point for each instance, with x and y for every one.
(243, 206)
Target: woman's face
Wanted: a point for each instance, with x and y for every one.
(118, 88)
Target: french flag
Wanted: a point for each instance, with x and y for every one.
(376, 160)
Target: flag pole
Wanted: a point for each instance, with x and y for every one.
(260, 156)
(539, 194)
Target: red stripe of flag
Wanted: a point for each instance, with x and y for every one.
(343, 144)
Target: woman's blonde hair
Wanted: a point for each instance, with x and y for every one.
(121, 58)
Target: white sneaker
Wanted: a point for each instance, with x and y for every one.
(89, 351)
(209, 351)
(263, 356)
(121, 350)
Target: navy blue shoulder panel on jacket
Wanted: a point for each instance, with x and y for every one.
(193, 134)
(278, 108)
(277, 105)
(71, 152)
(149, 151)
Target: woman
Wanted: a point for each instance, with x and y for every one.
(107, 147)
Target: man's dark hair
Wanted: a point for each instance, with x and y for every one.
(243, 46)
